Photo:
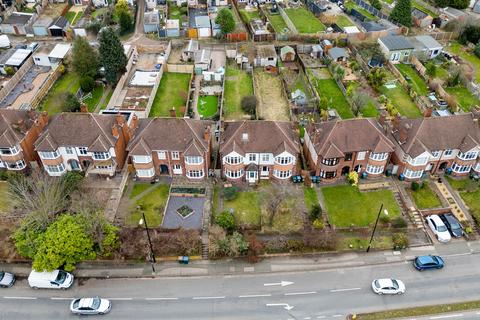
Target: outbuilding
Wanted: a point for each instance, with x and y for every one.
(287, 54)
(59, 27)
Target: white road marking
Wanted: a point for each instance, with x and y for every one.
(148, 299)
(300, 293)
(347, 289)
(119, 299)
(206, 298)
(281, 283)
(448, 316)
(337, 315)
(285, 306)
(61, 298)
(21, 298)
(320, 317)
(307, 318)
(255, 295)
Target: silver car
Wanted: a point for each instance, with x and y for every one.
(6, 279)
(88, 306)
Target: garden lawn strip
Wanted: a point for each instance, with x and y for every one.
(238, 84)
(172, 92)
(425, 197)
(465, 99)
(246, 208)
(304, 20)
(416, 80)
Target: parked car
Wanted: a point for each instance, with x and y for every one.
(32, 46)
(442, 104)
(438, 228)
(6, 279)
(452, 225)
(428, 262)
(88, 306)
(56, 279)
(388, 286)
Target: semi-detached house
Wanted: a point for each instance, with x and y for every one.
(436, 144)
(335, 148)
(254, 150)
(171, 147)
(93, 143)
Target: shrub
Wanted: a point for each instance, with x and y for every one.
(61, 69)
(249, 104)
(315, 212)
(321, 240)
(353, 178)
(295, 245)
(477, 50)
(384, 219)
(9, 71)
(225, 220)
(415, 186)
(255, 249)
(400, 241)
(87, 83)
(94, 27)
(318, 224)
(399, 222)
(71, 103)
(230, 193)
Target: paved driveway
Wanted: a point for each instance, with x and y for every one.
(173, 220)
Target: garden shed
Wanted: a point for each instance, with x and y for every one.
(287, 54)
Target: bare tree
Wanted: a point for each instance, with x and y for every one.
(273, 200)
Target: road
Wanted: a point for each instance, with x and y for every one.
(326, 294)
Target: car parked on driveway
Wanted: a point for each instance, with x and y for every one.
(428, 262)
(452, 225)
(438, 228)
(388, 286)
(88, 306)
(7, 279)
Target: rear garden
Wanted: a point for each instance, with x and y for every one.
(53, 102)
(277, 22)
(411, 75)
(172, 93)
(304, 20)
(207, 106)
(249, 15)
(352, 5)
(343, 21)
(400, 99)
(465, 99)
(180, 13)
(461, 51)
(271, 101)
(238, 84)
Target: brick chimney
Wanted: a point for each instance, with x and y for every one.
(428, 112)
(83, 108)
(173, 113)
(134, 122)
(403, 133)
(115, 131)
(396, 122)
(206, 134)
(119, 119)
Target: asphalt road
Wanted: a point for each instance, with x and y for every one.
(327, 294)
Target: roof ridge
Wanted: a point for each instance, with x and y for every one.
(234, 134)
(194, 132)
(284, 133)
(101, 129)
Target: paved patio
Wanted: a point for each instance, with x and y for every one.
(173, 220)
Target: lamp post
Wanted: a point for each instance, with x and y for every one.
(143, 222)
(375, 226)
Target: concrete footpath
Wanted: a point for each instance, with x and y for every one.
(270, 264)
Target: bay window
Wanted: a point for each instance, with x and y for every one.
(234, 174)
(142, 159)
(58, 168)
(328, 174)
(284, 160)
(282, 174)
(9, 151)
(233, 160)
(467, 156)
(49, 154)
(195, 174)
(477, 167)
(412, 174)
(374, 169)
(145, 173)
(19, 165)
(418, 161)
(193, 160)
(379, 156)
(461, 168)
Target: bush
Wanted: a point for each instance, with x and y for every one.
(321, 240)
(9, 71)
(353, 178)
(384, 219)
(71, 103)
(61, 69)
(400, 241)
(249, 104)
(415, 186)
(225, 220)
(87, 83)
(255, 249)
(477, 50)
(230, 193)
(295, 245)
(94, 27)
(399, 222)
(318, 224)
(315, 212)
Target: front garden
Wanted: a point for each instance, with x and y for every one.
(469, 191)
(149, 199)
(172, 93)
(424, 196)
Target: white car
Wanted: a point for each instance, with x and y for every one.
(438, 228)
(388, 286)
(88, 306)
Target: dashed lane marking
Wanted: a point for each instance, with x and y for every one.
(61, 298)
(20, 298)
(255, 295)
(119, 299)
(346, 289)
(208, 298)
(300, 293)
(159, 299)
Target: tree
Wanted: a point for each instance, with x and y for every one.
(377, 78)
(255, 248)
(471, 33)
(87, 83)
(71, 103)
(338, 72)
(249, 105)
(459, 4)
(226, 220)
(359, 101)
(323, 103)
(84, 58)
(274, 200)
(431, 69)
(315, 212)
(125, 20)
(477, 50)
(112, 55)
(63, 244)
(121, 5)
(376, 4)
(225, 20)
(402, 13)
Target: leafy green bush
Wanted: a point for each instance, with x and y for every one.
(87, 83)
(400, 241)
(415, 186)
(226, 220)
(318, 224)
(230, 193)
(315, 212)
(399, 222)
(384, 219)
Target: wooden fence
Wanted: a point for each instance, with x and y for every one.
(15, 79)
(45, 87)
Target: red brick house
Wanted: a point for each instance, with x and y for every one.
(19, 130)
(171, 146)
(335, 148)
(436, 144)
(89, 142)
(254, 150)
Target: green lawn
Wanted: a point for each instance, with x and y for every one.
(287, 219)
(458, 184)
(238, 84)
(4, 199)
(153, 204)
(304, 20)
(417, 82)
(347, 206)
(330, 89)
(351, 5)
(98, 12)
(466, 100)
(92, 102)
(138, 188)
(53, 102)
(277, 22)
(248, 16)
(370, 110)
(77, 17)
(343, 21)
(207, 106)
(172, 92)
(425, 197)
(107, 99)
(246, 208)
(175, 12)
(310, 197)
(417, 5)
(70, 16)
(402, 101)
(457, 49)
(470, 193)
(361, 243)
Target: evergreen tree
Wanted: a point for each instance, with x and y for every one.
(84, 58)
(225, 20)
(112, 56)
(376, 4)
(402, 13)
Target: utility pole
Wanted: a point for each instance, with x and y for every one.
(143, 222)
(375, 226)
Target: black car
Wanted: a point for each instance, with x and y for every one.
(452, 224)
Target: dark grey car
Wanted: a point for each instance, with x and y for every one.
(452, 225)
(6, 279)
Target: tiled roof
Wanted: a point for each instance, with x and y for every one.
(14, 124)
(396, 43)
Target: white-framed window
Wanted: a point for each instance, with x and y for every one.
(9, 151)
(330, 161)
(234, 174)
(265, 157)
(19, 165)
(145, 173)
(435, 154)
(252, 157)
(104, 167)
(374, 169)
(175, 155)
(461, 168)
(284, 160)
(195, 174)
(56, 168)
(142, 159)
(193, 160)
(233, 160)
(361, 155)
(477, 167)
(467, 156)
(101, 155)
(328, 174)
(379, 156)
(448, 152)
(82, 151)
(49, 154)
(418, 161)
(177, 169)
(411, 174)
(162, 155)
(68, 150)
(282, 174)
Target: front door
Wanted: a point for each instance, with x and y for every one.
(252, 176)
(164, 169)
(75, 165)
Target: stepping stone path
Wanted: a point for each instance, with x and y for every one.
(452, 203)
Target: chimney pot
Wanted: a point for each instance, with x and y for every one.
(173, 113)
(83, 108)
(115, 131)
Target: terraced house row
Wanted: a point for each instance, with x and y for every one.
(248, 151)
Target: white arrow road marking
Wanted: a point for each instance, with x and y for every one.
(282, 283)
(285, 306)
